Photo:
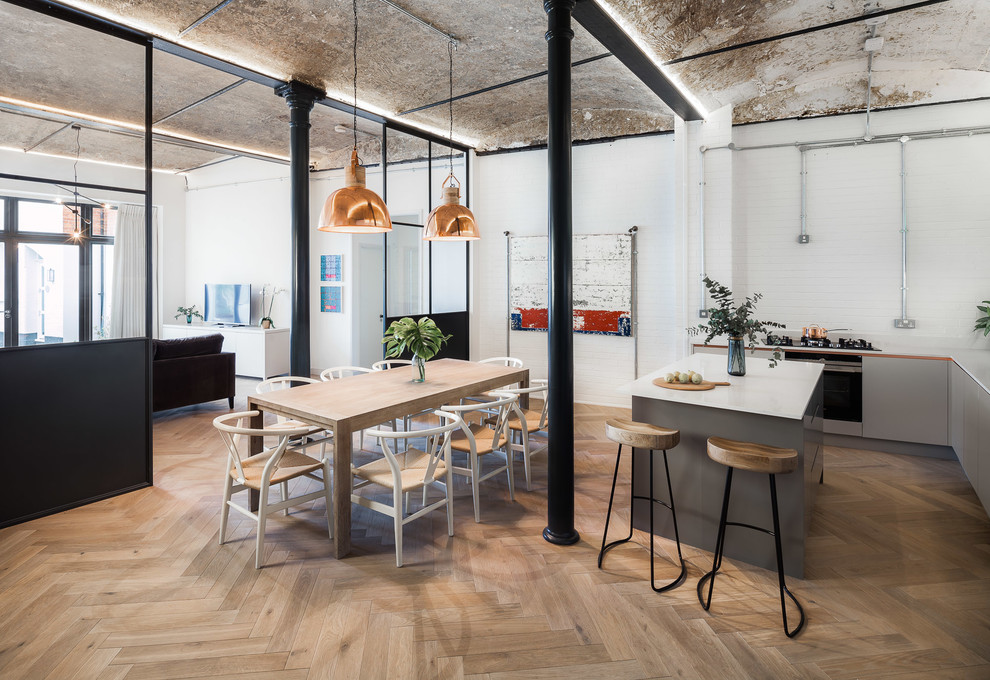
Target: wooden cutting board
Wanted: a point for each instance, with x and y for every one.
(703, 385)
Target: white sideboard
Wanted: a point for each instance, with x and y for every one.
(261, 352)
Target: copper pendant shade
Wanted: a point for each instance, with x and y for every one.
(451, 221)
(355, 209)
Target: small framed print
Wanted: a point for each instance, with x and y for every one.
(330, 268)
(330, 298)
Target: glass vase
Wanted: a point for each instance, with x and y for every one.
(737, 356)
(419, 368)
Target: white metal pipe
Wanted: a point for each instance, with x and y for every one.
(701, 223)
(904, 141)
(508, 292)
(804, 195)
(634, 320)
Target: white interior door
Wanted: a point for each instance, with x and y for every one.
(370, 300)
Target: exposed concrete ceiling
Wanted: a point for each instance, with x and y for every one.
(936, 53)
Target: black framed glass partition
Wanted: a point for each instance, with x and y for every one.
(75, 182)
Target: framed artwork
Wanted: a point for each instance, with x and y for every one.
(330, 299)
(330, 268)
(602, 280)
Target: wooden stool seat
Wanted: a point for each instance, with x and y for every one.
(625, 431)
(771, 460)
(764, 459)
(641, 435)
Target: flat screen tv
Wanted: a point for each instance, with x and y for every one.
(227, 303)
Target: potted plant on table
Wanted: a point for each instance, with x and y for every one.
(422, 338)
(268, 290)
(189, 313)
(737, 322)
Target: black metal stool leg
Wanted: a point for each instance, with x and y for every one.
(780, 565)
(608, 515)
(670, 494)
(719, 545)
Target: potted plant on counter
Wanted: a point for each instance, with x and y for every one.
(189, 313)
(737, 322)
(422, 338)
(983, 323)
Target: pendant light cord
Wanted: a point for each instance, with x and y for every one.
(450, 103)
(354, 54)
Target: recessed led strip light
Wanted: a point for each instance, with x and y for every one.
(392, 116)
(648, 51)
(85, 117)
(88, 160)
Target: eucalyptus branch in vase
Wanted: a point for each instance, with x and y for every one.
(735, 321)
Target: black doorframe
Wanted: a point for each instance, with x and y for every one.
(457, 323)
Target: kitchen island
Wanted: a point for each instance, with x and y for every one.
(779, 406)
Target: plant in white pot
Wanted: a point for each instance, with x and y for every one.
(422, 338)
(737, 322)
(268, 290)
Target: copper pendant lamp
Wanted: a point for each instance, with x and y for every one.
(355, 209)
(451, 221)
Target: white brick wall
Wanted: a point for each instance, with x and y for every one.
(616, 186)
(848, 276)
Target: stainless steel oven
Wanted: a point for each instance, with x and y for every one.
(843, 387)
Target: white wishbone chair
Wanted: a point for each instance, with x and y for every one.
(478, 440)
(274, 466)
(527, 422)
(283, 382)
(508, 362)
(338, 372)
(411, 470)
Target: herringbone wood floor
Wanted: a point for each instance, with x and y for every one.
(137, 587)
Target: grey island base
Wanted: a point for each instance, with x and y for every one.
(781, 407)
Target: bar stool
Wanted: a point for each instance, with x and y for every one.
(769, 460)
(643, 436)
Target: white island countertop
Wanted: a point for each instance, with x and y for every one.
(782, 392)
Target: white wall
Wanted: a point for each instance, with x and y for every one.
(168, 192)
(847, 277)
(616, 186)
(238, 231)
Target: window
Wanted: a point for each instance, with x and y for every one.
(58, 259)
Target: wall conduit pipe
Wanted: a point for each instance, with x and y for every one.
(701, 230)
(634, 321)
(904, 322)
(803, 236)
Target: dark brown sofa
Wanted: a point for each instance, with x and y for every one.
(190, 371)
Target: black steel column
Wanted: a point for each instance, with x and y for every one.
(300, 99)
(560, 471)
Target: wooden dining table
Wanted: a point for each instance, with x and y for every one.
(346, 405)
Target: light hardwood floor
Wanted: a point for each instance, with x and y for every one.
(136, 586)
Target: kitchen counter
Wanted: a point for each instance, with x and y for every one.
(779, 406)
(976, 362)
(781, 392)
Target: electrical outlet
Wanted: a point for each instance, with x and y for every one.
(904, 323)
(804, 238)
(702, 313)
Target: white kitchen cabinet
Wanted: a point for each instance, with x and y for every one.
(983, 445)
(957, 399)
(906, 399)
(260, 352)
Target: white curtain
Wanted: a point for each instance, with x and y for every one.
(127, 298)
